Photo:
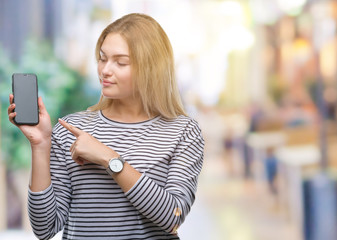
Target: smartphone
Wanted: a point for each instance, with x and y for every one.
(24, 87)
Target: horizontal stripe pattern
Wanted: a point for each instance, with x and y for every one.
(87, 203)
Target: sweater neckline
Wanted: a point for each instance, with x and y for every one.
(127, 125)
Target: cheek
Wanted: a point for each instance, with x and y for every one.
(125, 77)
(129, 82)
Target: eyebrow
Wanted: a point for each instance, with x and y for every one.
(115, 55)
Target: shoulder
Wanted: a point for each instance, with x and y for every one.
(184, 124)
(190, 137)
(82, 116)
(78, 119)
(180, 120)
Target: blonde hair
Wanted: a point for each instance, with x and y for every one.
(152, 65)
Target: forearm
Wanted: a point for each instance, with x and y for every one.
(161, 206)
(151, 200)
(48, 203)
(40, 174)
(42, 210)
(127, 178)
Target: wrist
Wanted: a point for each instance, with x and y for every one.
(42, 146)
(107, 157)
(115, 166)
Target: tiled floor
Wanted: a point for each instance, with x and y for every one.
(227, 206)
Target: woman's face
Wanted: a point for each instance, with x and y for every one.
(114, 68)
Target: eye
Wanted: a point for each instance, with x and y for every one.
(122, 64)
(102, 59)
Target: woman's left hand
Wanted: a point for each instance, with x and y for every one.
(88, 148)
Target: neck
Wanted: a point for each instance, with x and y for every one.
(128, 112)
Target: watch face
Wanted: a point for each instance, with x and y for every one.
(116, 165)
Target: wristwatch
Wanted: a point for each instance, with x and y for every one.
(115, 165)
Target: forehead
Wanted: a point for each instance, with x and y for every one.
(114, 43)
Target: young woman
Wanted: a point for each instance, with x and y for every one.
(127, 168)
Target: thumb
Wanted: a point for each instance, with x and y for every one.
(74, 130)
(42, 107)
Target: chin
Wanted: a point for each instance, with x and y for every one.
(110, 97)
(109, 94)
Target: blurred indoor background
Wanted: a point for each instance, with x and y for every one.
(259, 75)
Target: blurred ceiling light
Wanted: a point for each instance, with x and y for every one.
(264, 11)
(291, 7)
(231, 8)
(241, 38)
(236, 37)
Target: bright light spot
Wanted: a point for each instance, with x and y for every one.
(264, 11)
(291, 6)
(238, 38)
(212, 76)
(231, 8)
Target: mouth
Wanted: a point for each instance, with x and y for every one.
(107, 83)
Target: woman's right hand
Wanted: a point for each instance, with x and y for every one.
(38, 135)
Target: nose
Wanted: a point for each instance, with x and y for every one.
(107, 69)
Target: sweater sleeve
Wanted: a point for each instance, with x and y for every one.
(168, 206)
(48, 209)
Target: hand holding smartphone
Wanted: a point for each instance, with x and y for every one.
(25, 91)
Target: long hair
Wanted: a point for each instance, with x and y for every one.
(152, 65)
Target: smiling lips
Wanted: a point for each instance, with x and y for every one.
(107, 83)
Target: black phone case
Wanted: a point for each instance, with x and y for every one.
(25, 91)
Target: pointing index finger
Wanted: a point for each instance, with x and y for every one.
(74, 130)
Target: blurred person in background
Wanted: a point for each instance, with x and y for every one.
(270, 163)
(126, 168)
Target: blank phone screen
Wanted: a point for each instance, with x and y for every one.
(25, 98)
